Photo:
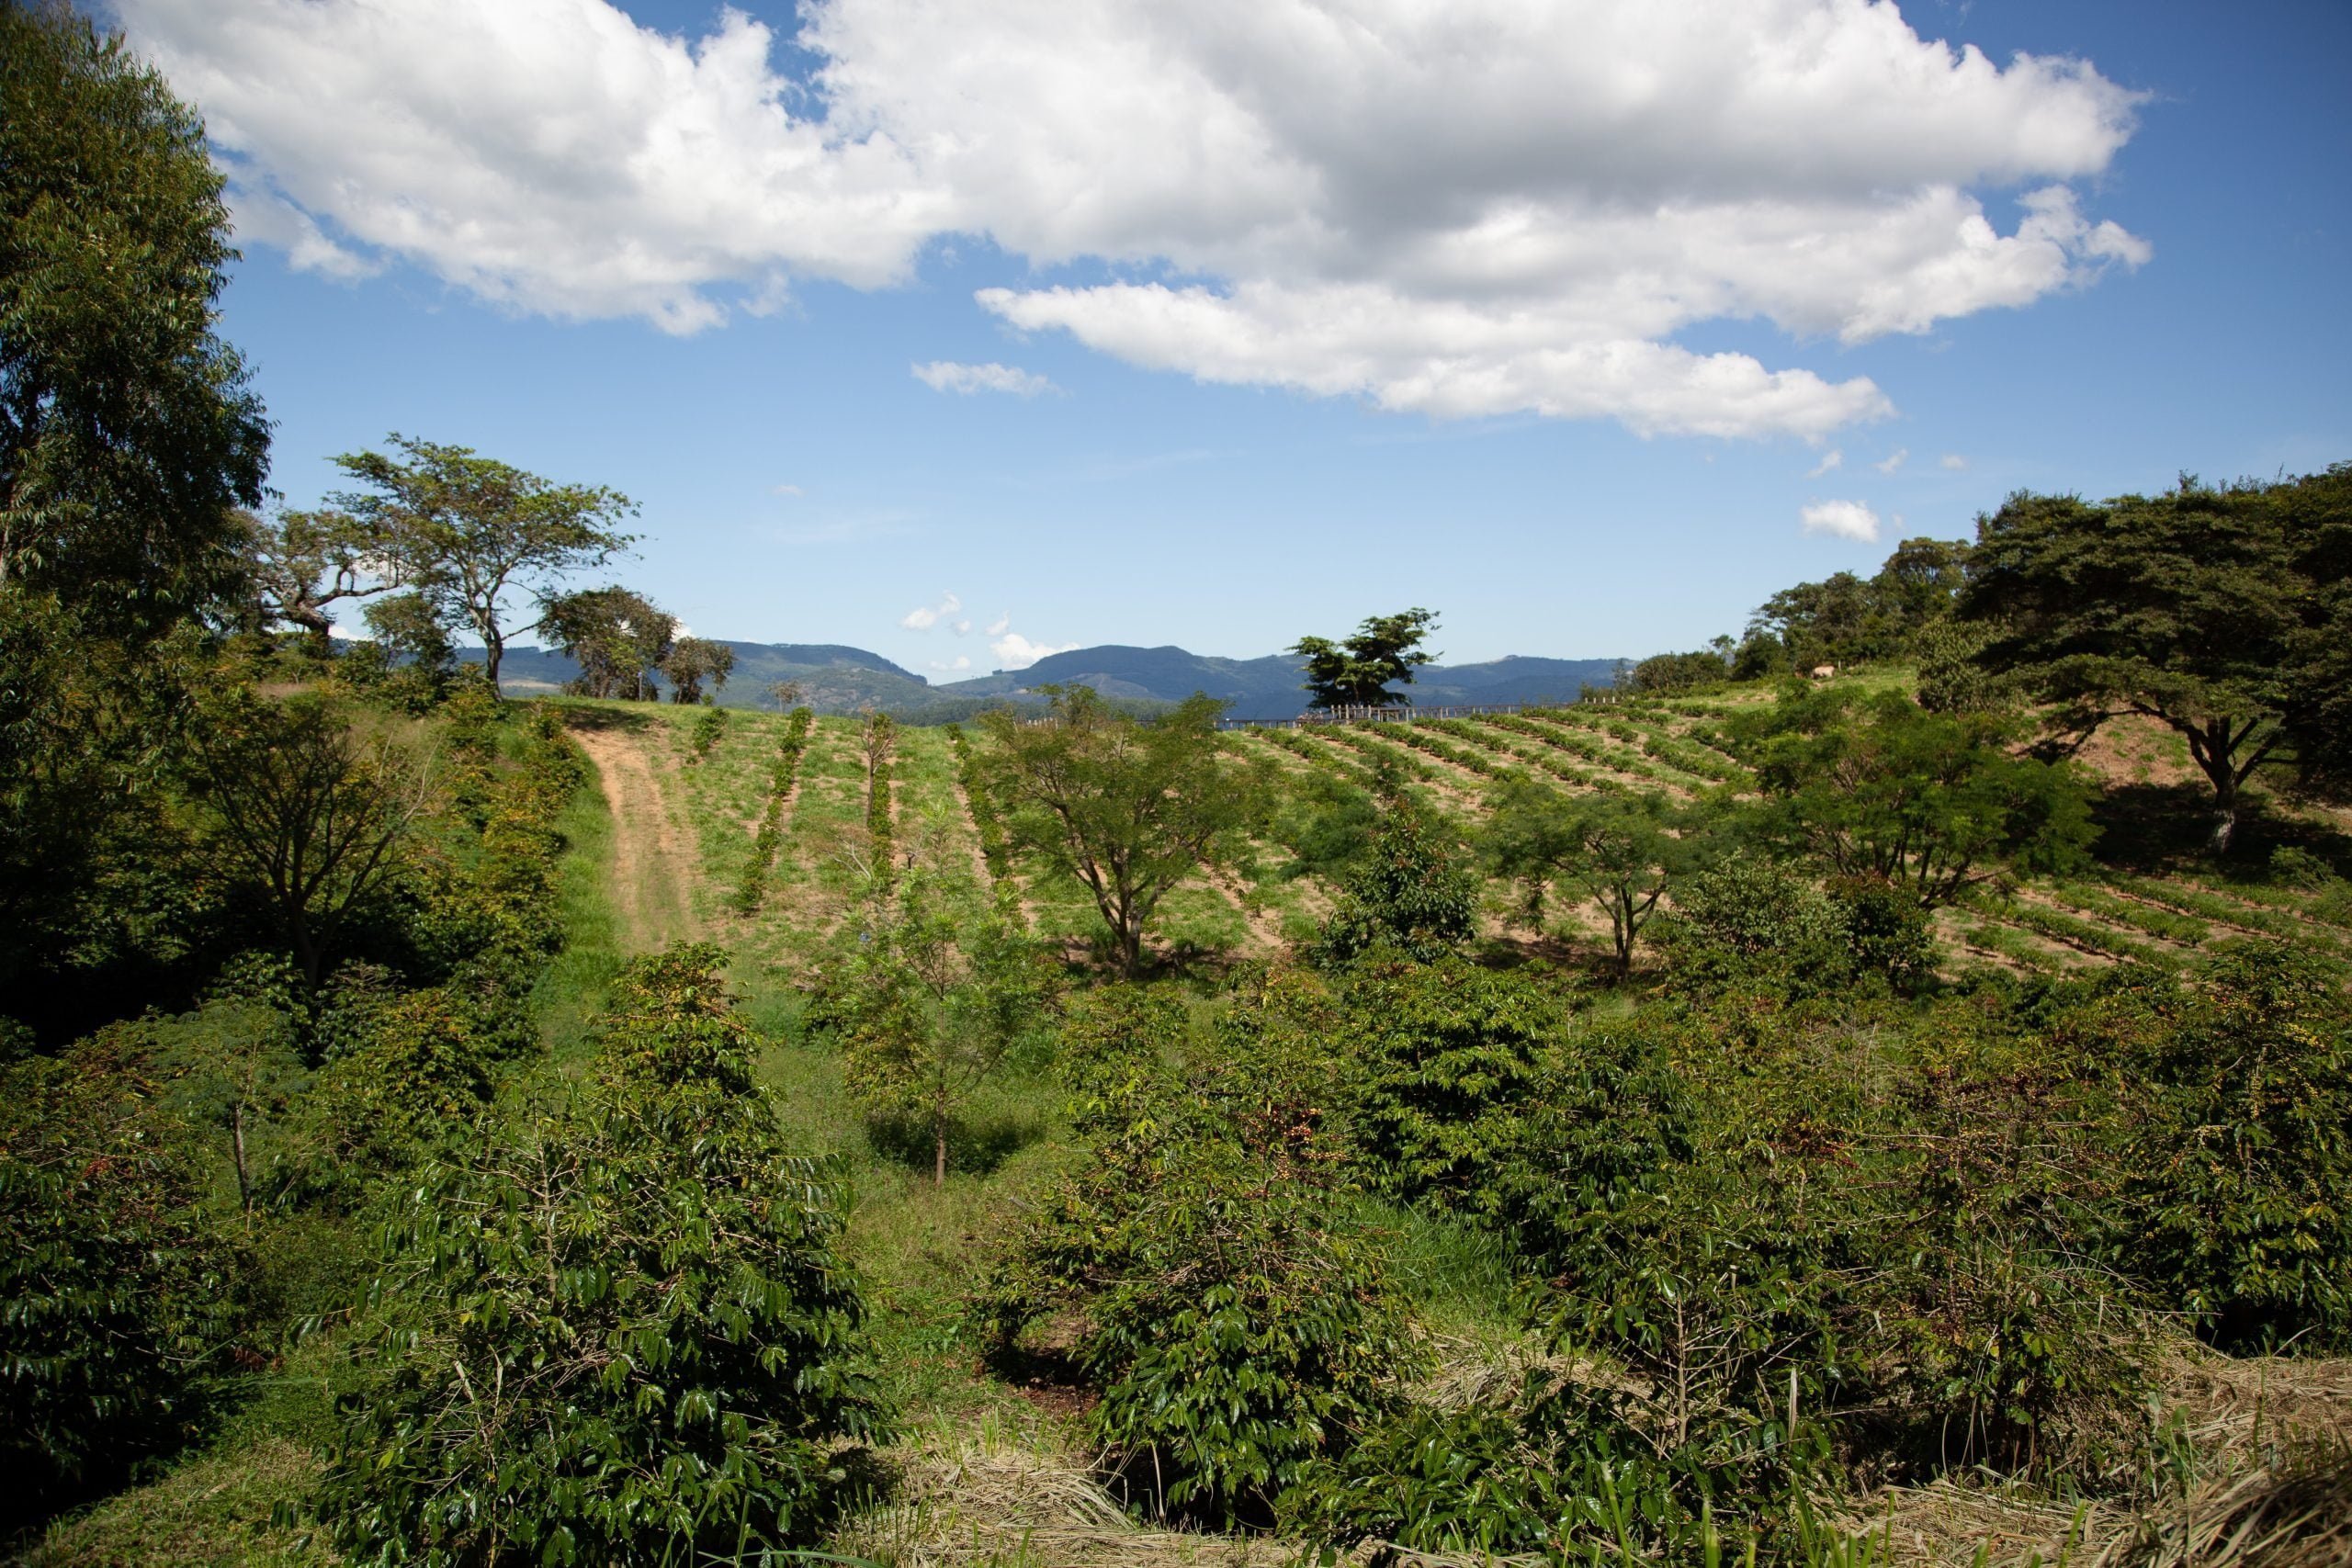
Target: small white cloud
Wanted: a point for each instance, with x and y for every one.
(1841, 519)
(924, 617)
(963, 628)
(947, 375)
(1014, 651)
(1829, 460)
(1953, 461)
(951, 665)
(1001, 625)
(784, 490)
(1894, 460)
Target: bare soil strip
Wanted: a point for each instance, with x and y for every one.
(651, 878)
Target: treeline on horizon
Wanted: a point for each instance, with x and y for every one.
(344, 1154)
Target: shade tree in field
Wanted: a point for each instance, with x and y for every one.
(930, 1004)
(619, 639)
(1618, 851)
(470, 530)
(1128, 806)
(2182, 608)
(1934, 804)
(1357, 672)
(693, 660)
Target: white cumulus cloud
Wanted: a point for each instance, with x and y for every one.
(925, 617)
(947, 375)
(1953, 461)
(1474, 208)
(1894, 460)
(1841, 519)
(1829, 460)
(1014, 651)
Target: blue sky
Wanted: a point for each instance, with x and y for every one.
(1277, 463)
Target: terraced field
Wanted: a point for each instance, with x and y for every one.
(1265, 905)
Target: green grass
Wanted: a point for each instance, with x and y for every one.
(219, 1508)
(571, 989)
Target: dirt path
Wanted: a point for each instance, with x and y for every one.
(650, 880)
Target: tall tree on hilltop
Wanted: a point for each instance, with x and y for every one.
(1357, 673)
(300, 562)
(1128, 806)
(2183, 607)
(617, 637)
(468, 529)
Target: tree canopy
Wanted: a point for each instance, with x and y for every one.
(2184, 607)
(469, 529)
(1358, 670)
(128, 433)
(1129, 806)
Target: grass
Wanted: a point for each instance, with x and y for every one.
(571, 989)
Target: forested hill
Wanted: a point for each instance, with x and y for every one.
(835, 678)
(831, 678)
(1272, 687)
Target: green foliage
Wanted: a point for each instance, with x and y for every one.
(1358, 670)
(692, 660)
(752, 890)
(115, 1284)
(1620, 851)
(618, 637)
(2237, 1150)
(709, 724)
(1448, 1059)
(1128, 806)
(928, 1004)
(1751, 919)
(996, 849)
(302, 807)
(127, 430)
(881, 741)
(616, 1331)
(1234, 1332)
(1847, 619)
(466, 529)
(1415, 893)
(2185, 607)
(1934, 803)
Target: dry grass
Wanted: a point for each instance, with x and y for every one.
(2272, 1438)
(972, 1497)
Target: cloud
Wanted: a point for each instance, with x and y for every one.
(963, 628)
(959, 662)
(946, 376)
(1001, 625)
(1829, 460)
(924, 617)
(1894, 460)
(1483, 207)
(1841, 519)
(792, 491)
(1952, 460)
(1014, 651)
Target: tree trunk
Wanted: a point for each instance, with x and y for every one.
(237, 1142)
(493, 648)
(939, 1149)
(2225, 813)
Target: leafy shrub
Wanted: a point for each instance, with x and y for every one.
(752, 890)
(1233, 1333)
(1887, 933)
(709, 724)
(617, 1331)
(1446, 1059)
(2238, 1151)
(1752, 922)
(1414, 893)
(114, 1281)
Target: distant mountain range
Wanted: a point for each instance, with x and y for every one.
(833, 679)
